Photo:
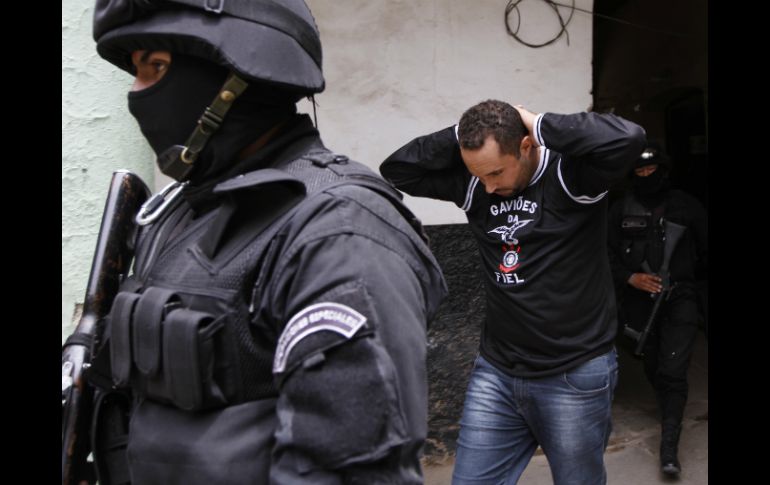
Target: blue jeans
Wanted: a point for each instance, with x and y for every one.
(505, 418)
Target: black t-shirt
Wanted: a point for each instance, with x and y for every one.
(550, 301)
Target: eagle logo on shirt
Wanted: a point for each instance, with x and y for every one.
(506, 232)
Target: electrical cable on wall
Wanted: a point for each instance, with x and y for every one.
(514, 5)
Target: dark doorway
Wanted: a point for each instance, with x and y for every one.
(651, 66)
(686, 143)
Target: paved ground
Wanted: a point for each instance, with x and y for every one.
(632, 455)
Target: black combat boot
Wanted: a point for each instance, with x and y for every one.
(669, 443)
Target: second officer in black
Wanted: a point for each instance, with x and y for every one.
(638, 225)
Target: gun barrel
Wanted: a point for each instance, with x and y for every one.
(112, 259)
(650, 321)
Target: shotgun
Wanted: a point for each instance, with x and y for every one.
(111, 263)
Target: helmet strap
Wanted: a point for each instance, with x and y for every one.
(177, 161)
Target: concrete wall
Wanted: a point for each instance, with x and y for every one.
(402, 68)
(98, 136)
(394, 70)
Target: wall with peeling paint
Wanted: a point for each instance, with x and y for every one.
(394, 70)
(98, 136)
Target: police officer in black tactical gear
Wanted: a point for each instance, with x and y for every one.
(274, 327)
(637, 243)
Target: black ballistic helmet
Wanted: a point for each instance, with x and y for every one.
(270, 42)
(653, 154)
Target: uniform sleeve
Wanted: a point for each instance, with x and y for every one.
(597, 149)
(430, 166)
(349, 364)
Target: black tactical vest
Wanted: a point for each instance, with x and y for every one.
(643, 234)
(182, 332)
(180, 328)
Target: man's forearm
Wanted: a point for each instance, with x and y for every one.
(597, 149)
(425, 166)
(603, 140)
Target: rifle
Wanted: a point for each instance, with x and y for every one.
(673, 234)
(112, 261)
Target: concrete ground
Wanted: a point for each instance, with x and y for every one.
(632, 455)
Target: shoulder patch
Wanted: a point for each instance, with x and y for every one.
(315, 318)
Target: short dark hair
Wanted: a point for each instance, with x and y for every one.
(496, 118)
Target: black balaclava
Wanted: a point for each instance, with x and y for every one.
(168, 111)
(651, 190)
